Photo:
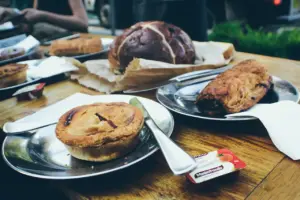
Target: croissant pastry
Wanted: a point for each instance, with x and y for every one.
(235, 90)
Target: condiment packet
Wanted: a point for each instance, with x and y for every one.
(30, 92)
(215, 164)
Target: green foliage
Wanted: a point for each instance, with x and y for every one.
(245, 39)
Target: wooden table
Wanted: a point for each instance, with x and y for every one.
(269, 173)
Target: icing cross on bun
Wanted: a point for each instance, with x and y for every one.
(154, 40)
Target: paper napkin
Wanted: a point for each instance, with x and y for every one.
(53, 112)
(51, 66)
(28, 44)
(282, 121)
(6, 26)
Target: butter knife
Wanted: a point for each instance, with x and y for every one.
(179, 161)
(15, 128)
(179, 79)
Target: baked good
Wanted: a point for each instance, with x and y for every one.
(75, 47)
(154, 40)
(235, 90)
(100, 132)
(11, 52)
(12, 74)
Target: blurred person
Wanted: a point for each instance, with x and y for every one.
(6, 13)
(68, 14)
(48, 17)
(189, 15)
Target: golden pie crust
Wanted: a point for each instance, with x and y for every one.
(12, 74)
(75, 47)
(100, 132)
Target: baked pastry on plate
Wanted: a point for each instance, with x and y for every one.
(100, 132)
(236, 89)
(11, 52)
(75, 47)
(12, 74)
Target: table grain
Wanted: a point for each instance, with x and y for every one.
(269, 173)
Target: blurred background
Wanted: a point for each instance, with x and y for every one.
(269, 27)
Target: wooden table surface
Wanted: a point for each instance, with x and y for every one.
(269, 174)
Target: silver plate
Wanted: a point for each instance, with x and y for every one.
(180, 98)
(42, 155)
(29, 80)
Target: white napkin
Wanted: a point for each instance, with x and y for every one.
(6, 26)
(53, 112)
(28, 44)
(51, 66)
(282, 121)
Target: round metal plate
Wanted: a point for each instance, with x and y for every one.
(180, 98)
(42, 155)
(29, 80)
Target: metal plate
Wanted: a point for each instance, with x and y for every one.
(181, 98)
(42, 155)
(29, 80)
(85, 57)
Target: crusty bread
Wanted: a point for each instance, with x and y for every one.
(153, 40)
(100, 77)
(75, 47)
(236, 89)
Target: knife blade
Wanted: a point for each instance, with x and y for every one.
(179, 79)
(178, 160)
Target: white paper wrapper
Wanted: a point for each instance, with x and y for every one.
(6, 26)
(281, 120)
(142, 71)
(52, 66)
(53, 112)
(28, 44)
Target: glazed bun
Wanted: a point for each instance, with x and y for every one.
(153, 40)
